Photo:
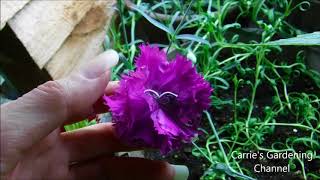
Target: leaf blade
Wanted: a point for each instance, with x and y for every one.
(192, 37)
(152, 21)
(310, 39)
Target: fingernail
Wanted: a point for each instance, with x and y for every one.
(99, 65)
(181, 172)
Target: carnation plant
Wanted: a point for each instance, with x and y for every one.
(253, 54)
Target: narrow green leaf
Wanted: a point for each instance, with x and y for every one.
(226, 8)
(233, 25)
(79, 125)
(174, 17)
(157, 5)
(256, 9)
(192, 37)
(153, 21)
(310, 39)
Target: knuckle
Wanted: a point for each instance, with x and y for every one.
(53, 92)
(53, 88)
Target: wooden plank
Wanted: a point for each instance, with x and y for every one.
(43, 26)
(85, 41)
(76, 50)
(9, 8)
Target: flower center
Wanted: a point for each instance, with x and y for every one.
(165, 99)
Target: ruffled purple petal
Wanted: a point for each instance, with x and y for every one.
(160, 103)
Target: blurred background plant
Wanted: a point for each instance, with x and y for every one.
(266, 90)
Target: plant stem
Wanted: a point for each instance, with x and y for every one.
(180, 24)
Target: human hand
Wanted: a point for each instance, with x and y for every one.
(34, 147)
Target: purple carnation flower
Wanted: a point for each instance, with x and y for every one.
(160, 103)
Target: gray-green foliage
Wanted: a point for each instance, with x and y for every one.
(310, 39)
(240, 61)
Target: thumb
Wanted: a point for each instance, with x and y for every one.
(33, 116)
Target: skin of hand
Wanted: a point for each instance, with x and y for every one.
(33, 145)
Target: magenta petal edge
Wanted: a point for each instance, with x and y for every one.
(159, 104)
